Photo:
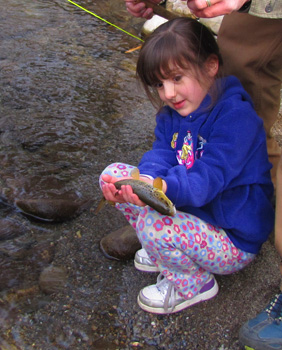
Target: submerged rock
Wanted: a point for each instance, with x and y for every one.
(52, 279)
(11, 229)
(52, 210)
(11, 273)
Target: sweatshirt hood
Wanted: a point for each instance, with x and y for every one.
(231, 86)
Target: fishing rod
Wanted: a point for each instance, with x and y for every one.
(102, 19)
(157, 9)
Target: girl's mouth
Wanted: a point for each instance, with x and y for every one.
(178, 105)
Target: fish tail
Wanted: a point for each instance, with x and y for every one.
(100, 206)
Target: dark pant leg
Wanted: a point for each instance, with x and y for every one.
(252, 50)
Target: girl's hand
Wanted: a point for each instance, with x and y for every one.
(130, 197)
(124, 195)
(139, 9)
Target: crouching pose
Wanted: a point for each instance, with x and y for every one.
(210, 152)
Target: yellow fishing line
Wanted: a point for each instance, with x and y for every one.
(94, 14)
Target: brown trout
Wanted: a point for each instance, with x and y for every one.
(151, 195)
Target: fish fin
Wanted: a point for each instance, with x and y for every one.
(158, 183)
(100, 206)
(135, 173)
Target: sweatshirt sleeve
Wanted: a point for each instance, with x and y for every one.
(236, 139)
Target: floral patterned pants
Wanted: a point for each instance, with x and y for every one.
(185, 248)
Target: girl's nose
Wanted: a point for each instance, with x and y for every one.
(169, 89)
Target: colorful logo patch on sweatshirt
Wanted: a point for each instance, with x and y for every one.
(174, 140)
(200, 147)
(186, 155)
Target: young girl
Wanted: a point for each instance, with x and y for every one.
(210, 151)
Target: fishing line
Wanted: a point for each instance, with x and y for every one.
(102, 19)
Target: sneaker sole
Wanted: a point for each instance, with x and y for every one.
(145, 268)
(197, 299)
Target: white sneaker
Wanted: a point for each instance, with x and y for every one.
(163, 298)
(142, 262)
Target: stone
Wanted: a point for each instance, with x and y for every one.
(121, 244)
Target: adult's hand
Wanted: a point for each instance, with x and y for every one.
(214, 8)
(139, 9)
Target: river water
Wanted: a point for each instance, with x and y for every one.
(69, 106)
(66, 85)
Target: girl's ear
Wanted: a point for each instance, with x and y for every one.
(212, 66)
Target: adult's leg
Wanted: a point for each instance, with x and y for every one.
(251, 48)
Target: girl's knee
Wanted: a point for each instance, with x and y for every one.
(110, 168)
(116, 170)
(149, 224)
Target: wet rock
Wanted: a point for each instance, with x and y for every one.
(16, 250)
(11, 273)
(42, 255)
(178, 7)
(52, 210)
(121, 244)
(8, 314)
(20, 295)
(10, 229)
(19, 259)
(102, 344)
(53, 279)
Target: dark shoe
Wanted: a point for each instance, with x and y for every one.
(264, 332)
(121, 244)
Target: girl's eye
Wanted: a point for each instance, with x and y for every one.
(158, 85)
(177, 78)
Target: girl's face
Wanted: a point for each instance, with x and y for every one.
(182, 91)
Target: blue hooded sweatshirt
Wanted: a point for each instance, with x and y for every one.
(216, 166)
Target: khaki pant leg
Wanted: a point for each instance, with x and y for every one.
(251, 48)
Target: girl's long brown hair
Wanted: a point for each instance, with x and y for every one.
(183, 42)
